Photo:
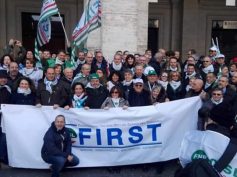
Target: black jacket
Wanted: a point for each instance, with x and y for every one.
(139, 99)
(56, 143)
(21, 99)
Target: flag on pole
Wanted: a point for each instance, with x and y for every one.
(38, 60)
(90, 20)
(44, 25)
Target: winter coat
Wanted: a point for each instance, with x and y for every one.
(21, 99)
(109, 103)
(139, 99)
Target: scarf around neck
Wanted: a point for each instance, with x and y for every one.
(7, 87)
(49, 84)
(24, 91)
(208, 69)
(117, 67)
(175, 84)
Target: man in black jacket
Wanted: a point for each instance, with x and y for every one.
(57, 147)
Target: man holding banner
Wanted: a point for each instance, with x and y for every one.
(57, 147)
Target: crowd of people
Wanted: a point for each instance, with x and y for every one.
(91, 81)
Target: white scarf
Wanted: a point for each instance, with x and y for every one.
(7, 87)
(217, 102)
(127, 83)
(190, 76)
(163, 83)
(4, 67)
(110, 85)
(24, 91)
(115, 102)
(188, 87)
(58, 61)
(27, 72)
(117, 67)
(49, 84)
(208, 69)
(207, 85)
(79, 62)
(173, 69)
(175, 84)
(78, 100)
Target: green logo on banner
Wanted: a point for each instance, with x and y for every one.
(199, 154)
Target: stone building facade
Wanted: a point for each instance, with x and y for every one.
(136, 24)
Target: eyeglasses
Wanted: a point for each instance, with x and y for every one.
(138, 85)
(216, 94)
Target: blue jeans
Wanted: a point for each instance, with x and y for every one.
(59, 162)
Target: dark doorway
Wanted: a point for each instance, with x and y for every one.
(153, 35)
(227, 37)
(29, 30)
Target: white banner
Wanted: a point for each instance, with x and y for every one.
(206, 145)
(102, 137)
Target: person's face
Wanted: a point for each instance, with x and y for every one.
(139, 70)
(220, 61)
(115, 93)
(234, 78)
(206, 62)
(142, 60)
(46, 55)
(68, 73)
(62, 56)
(24, 84)
(59, 123)
(29, 55)
(100, 73)
(50, 74)
(233, 68)
(81, 56)
(130, 61)
(99, 57)
(58, 70)
(225, 71)
(222, 83)
(138, 87)
(175, 77)
(190, 70)
(128, 76)
(13, 69)
(78, 90)
(164, 77)
(217, 95)
(136, 58)
(3, 81)
(86, 70)
(117, 59)
(210, 78)
(95, 83)
(212, 53)
(115, 78)
(152, 78)
(196, 86)
(29, 64)
(6, 60)
(173, 63)
(155, 93)
(89, 59)
(189, 54)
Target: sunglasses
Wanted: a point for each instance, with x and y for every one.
(216, 94)
(138, 85)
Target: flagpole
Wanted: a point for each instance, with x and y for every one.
(64, 29)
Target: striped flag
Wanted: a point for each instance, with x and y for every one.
(90, 20)
(44, 25)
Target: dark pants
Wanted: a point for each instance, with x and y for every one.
(59, 162)
(3, 146)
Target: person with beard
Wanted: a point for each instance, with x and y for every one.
(57, 147)
(51, 91)
(96, 93)
(116, 64)
(127, 82)
(138, 96)
(175, 90)
(31, 71)
(206, 68)
(204, 111)
(5, 98)
(13, 74)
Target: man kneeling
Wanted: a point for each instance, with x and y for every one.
(57, 147)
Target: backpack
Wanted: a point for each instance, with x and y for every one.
(202, 168)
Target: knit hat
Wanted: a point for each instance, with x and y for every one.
(223, 114)
(3, 74)
(94, 76)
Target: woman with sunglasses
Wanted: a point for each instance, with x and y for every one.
(115, 99)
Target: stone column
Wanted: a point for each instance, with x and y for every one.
(3, 34)
(124, 27)
(176, 23)
(190, 25)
